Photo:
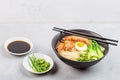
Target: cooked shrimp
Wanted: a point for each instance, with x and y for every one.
(76, 38)
(68, 45)
(60, 47)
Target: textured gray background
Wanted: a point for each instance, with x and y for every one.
(27, 11)
(41, 34)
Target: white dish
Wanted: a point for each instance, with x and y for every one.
(18, 39)
(37, 55)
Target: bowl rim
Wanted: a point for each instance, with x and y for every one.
(58, 34)
(40, 54)
(12, 39)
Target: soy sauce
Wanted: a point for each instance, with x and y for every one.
(18, 47)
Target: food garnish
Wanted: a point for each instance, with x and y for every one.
(38, 64)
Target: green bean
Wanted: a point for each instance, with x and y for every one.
(38, 64)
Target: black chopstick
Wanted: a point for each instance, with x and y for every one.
(92, 37)
(88, 35)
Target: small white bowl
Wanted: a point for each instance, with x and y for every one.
(18, 39)
(37, 55)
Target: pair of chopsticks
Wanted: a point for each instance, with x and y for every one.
(101, 39)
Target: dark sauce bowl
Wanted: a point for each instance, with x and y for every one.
(18, 45)
(72, 63)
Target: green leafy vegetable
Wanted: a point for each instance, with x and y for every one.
(38, 64)
(94, 52)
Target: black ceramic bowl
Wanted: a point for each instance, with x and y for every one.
(77, 64)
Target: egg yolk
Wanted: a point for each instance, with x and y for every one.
(80, 44)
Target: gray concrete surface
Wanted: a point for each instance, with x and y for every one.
(41, 34)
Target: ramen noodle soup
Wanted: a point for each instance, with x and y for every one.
(79, 48)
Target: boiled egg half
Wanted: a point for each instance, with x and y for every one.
(80, 46)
